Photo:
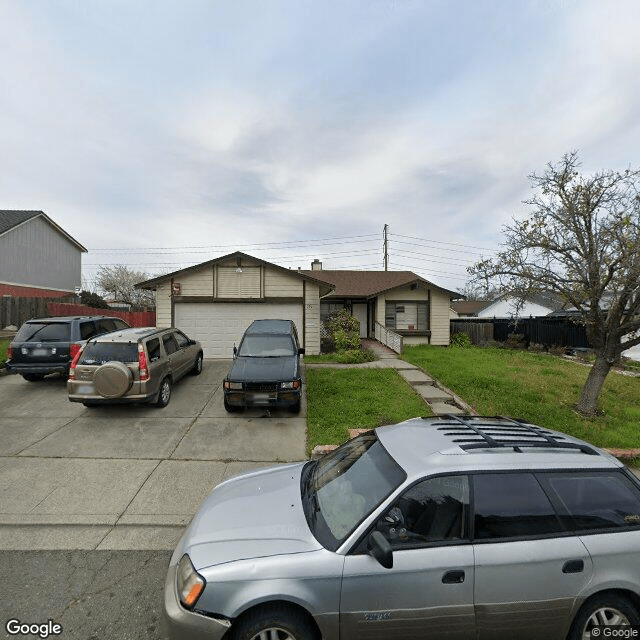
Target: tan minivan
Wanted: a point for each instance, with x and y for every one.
(133, 365)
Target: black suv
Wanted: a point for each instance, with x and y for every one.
(266, 368)
(48, 345)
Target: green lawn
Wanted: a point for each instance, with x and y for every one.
(4, 345)
(536, 387)
(342, 399)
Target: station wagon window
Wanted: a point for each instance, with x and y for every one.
(512, 505)
(183, 341)
(597, 500)
(433, 510)
(153, 349)
(169, 342)
(96, 353)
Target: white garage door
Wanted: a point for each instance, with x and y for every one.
(219, 326)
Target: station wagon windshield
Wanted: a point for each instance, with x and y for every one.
(266, 346)
(343, 488)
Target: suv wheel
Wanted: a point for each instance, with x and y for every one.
(164, 395)
(33, 377)
(605, 609)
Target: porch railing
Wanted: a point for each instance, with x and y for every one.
(389, 338)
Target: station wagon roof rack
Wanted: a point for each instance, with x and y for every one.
(476, 432)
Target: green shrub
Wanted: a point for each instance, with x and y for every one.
(461, 340)
(344, 329)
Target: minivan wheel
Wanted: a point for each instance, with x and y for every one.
(605, 609)
(164, 395)
(274, 623)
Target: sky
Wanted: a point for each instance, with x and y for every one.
(161, 134)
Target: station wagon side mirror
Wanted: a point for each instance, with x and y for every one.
(235, 351)
(301, 351)
(380, 549)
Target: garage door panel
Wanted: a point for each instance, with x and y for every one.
(219, 326)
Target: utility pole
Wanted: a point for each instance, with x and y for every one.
(386, 247)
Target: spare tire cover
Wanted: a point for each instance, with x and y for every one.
(113, 379)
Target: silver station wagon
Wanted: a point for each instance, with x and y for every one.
(448, 527)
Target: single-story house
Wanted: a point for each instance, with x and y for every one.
(37, 257)
(402, 301)
(215, 301)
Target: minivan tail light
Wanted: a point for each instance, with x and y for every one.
(74, 363)
(143, 368)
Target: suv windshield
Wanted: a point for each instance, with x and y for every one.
(345, 486)
(44, 332)
(266, 346)
(101, 352)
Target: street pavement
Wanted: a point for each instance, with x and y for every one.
(122, 476)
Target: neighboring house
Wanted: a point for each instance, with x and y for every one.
(400, 300)
(468, 308)
(504, 307)
(215, 301)
(37, 257)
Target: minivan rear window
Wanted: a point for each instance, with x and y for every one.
(101, 352)
(44, 332)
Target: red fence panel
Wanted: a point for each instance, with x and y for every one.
(134, 318)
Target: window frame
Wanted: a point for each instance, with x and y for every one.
(391, 322)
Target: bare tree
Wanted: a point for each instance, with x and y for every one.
(119, 282)
(582, 242)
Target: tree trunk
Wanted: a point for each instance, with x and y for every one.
(587, 405)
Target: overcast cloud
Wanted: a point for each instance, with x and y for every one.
(224, 125)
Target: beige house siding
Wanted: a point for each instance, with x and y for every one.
(440, 326)
(198, 283)
(163, 305)
(312, 318)
(279, 284)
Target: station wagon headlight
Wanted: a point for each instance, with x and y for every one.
(232, 385)
(189, 582)
(294, 384)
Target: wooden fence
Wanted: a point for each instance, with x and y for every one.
(14, 311)
(544, 330)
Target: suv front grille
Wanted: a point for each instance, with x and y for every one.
(261, 386)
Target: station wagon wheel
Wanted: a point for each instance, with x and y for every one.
(606, 609)
(164, 394)
(197, 366)
(274, 623)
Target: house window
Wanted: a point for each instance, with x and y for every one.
(327, 308)
(407, 316)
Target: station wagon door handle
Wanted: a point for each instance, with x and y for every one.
(573, 566)
(453, 577)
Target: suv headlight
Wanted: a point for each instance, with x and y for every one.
(294, 384)
(189, 582)
(232, 385)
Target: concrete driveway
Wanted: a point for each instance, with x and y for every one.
(125, 477)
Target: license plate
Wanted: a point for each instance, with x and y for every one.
(40, 352)
(85, 388)
(261, 398)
